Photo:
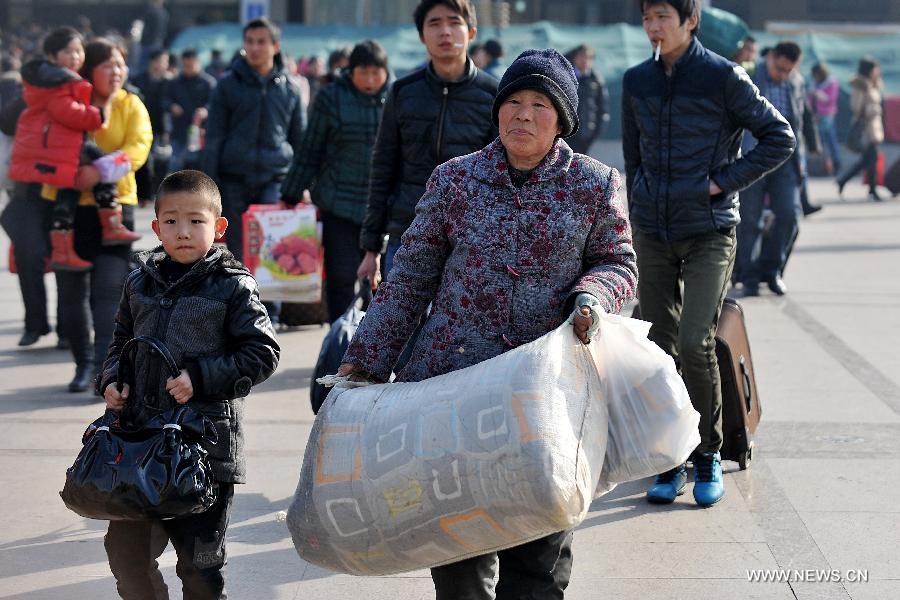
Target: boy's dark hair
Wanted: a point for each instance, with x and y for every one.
(748, 40)
(191, 182)
(189, 53)
(788, 50)
(98, 51)
(368, 54)
(263, 23)
(155, 54)
(216, 53)
(685, 8)
(59, 38)
(463, 8)
(494, 48)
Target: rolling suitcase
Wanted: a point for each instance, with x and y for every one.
(741, 409)
(892, 178)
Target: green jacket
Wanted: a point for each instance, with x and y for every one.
(334, 157)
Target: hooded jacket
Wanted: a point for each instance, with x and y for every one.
(214, 324)
(254, 125)
(50, 131)
(334, 158)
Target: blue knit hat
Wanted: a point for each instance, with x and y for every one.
(548, 72)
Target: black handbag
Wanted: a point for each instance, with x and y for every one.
(856, 136)
(156, 471)
(335, 345)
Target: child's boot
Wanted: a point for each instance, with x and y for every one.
(114, 231)
(63, 256)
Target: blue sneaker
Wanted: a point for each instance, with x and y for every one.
(709, 486)
(668, 486)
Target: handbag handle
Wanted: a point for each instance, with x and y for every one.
(130, 348)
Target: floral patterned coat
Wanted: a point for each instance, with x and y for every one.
(501, 265)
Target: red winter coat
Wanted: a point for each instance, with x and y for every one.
(50, 131)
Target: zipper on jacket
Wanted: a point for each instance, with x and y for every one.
(46, 134)
(440, 135)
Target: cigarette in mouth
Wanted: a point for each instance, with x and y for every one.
(658, 49)
(457, 45)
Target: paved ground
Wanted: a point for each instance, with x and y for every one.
(821, 493)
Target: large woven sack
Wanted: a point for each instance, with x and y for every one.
(404, 476)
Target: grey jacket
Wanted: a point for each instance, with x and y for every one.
(216, 327)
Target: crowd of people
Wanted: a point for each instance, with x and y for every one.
(465, 185)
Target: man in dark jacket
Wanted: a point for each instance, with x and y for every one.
(592, 100)
(187, 97)
(432, 115)
(781, 83)
(255, 124)
(682, 118)
(333, 162)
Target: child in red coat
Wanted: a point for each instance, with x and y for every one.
(50, 145)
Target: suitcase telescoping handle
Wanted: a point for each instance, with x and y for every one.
(748, 389)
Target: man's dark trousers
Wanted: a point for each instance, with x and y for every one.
(783, 187)
(236, 199)
(681, 288)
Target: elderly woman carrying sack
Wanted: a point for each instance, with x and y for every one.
(507, 243)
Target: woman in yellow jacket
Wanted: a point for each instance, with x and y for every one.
(93, 296)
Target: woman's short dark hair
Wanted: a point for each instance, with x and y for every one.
(368, 54)
(59, 38)
(685, 9)
(463, 8)
(263, 23)
(866, 65)
(98, 51)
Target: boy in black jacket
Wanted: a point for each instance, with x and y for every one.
(204, 305)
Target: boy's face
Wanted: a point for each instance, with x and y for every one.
(187, 227)
(663, 25)
(446, 34)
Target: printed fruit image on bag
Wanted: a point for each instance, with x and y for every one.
(282, 249)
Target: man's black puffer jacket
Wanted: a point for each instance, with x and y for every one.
(426, 122)
(254, 124)
(680, 132)
(213, 322)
